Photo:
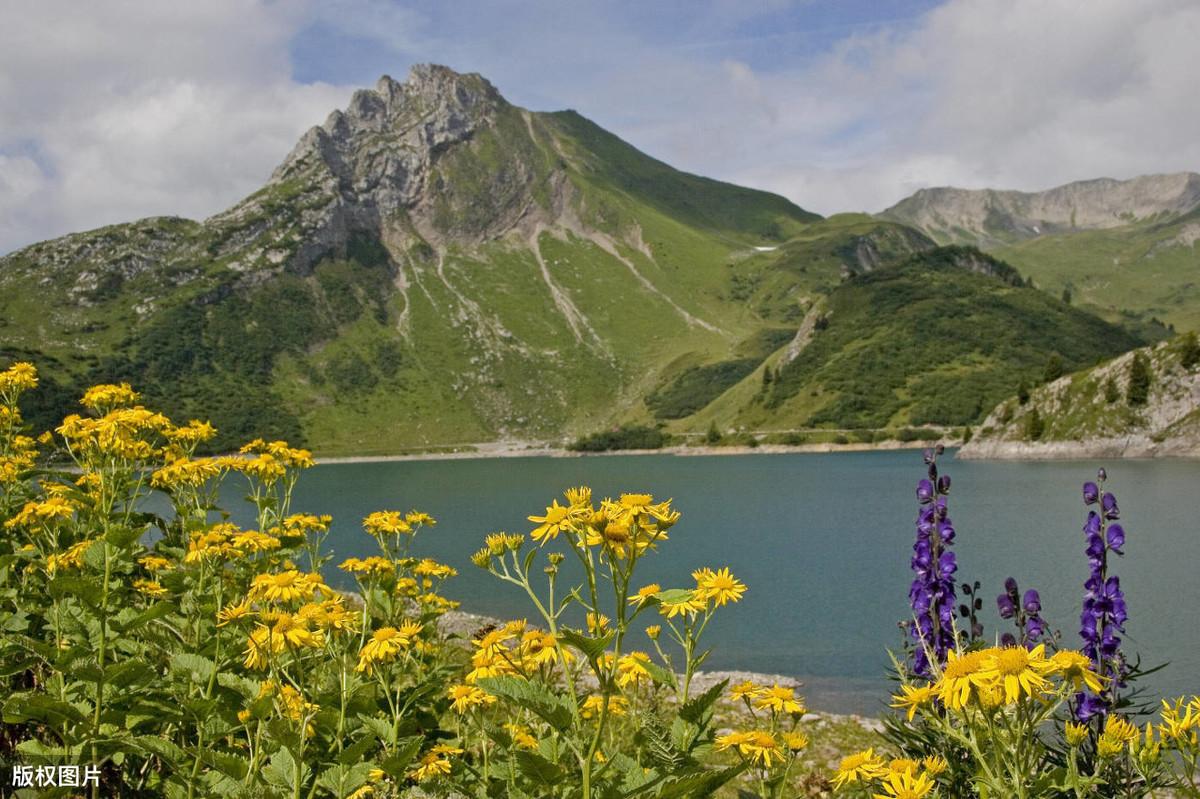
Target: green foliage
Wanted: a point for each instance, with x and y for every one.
(624, 437)
(1138, 391)
(1035, 426)
(1189, 351)
(693, 200)
(698, 386)
(1111, 392)
(937, 341)
(1054, 368)
(713, 436)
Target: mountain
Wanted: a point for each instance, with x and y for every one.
(434, 266)
(1125, 249)
(1100, 412)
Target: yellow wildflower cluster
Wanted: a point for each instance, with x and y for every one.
(71, 558)
(129, 434)
(998, 676)
(466, 697)
(386, 644)
(225, 541)
(16, 380)
(513, 649)
(45, 513)
(629, 525)
(435, 763)
(287, 586)
(900, 778)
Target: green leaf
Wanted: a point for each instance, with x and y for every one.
(703, 783)
(592, 648)
(406, 750)
(281, 770)
(382, 729)
(342, 779)
(194, 667)
(698, 709)
(538, 768)
(22, 708)
(534, 697)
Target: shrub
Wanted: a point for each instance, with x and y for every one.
(624, 437)
(1138, 391)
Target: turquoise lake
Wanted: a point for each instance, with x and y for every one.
(823, 542)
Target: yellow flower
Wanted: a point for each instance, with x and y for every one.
(905, 785)
(644, 594)
(107, 396)
(1075, 666)
(1018, 672)
(155, 563)
(385, 644)
(364, 792)
(1075, 734)
(597, 623)
(466, 697)
(652, 632)
(190, 472)
(593, 705)
(1118, 733)
(861, 766)
(386, 522)
(719, 586)
(521, 736)
(745, 690)
(757, 746)
(231, 613)
(935, 764)
(150, 588)
(431, 766)
(416, 517)
(1181, 720)
(779, 699)
(21, 376)
(913, 697)
(902, 764)
(555, 521)
(371, 567)
(631, 669)
(959, 677)
(538, 647)
(287, 586)
(795, 741)
(47, 512)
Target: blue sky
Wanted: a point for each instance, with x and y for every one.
(118, 110)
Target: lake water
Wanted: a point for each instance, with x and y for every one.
(823, 542)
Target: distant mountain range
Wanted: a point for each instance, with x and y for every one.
(1126, 249)
(434, 266)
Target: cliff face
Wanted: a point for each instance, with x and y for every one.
(989, 217)
(1101, 412)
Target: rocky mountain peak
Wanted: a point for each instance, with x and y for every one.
(990, 216)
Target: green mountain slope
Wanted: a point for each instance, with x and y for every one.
(937, 339)
(1123, 249)
(434, 267)
(1143, 403)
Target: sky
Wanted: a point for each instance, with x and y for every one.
(119, 109)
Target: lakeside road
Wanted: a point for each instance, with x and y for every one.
(519, 449)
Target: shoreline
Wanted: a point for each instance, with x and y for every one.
(518, 449)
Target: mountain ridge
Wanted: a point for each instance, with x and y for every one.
(433, 265)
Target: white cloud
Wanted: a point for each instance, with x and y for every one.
(1024, 94)
(116, 110)
(143, 108)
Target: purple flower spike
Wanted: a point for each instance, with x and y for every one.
(1091, 493)
(1032, 602)
(1104, 609)
(932, 595)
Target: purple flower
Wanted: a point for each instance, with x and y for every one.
(1091, 493)
(932, 594)
(1104, 609)
(1032, 602)
(1109, 503)
(1006, 607)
